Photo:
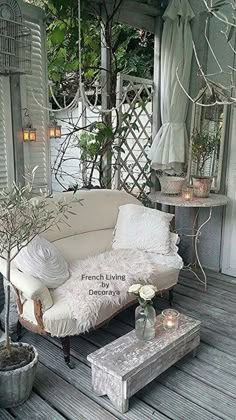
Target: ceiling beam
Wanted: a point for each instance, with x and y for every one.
(131, 12)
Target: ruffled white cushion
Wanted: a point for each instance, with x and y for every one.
(41, 259)
(143, 228)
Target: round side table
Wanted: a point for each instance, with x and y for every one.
(214, 200)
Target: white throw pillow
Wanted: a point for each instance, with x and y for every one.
(142, 228)
(42, 259)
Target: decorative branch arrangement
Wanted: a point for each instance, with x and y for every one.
(223, 11)
(21, 220)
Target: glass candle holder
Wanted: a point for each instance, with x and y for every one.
(170, 319)
(187, 193)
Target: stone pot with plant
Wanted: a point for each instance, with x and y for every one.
(21, 220)
(204, 145)
(171, 182)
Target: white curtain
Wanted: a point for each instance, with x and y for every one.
(168, 150)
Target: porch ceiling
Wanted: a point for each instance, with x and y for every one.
(137, 13)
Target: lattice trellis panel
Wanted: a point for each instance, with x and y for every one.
(135, 122)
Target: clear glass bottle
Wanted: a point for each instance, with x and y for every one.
(145, 317)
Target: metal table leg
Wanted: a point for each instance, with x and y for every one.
(196, 234)
(197, 239)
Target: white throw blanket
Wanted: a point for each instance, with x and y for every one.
(103, 280)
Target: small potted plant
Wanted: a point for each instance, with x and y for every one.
(21, 219)
(145, 314)
(171, 182)
(204, 145)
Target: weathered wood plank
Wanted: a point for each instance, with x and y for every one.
(134, 5)
(219, 341)
(126, 365)
(211, 291)
(119, 329)
(212, 317)
(80, 348)
(203, 388)
(133, 13)
(125, 356)
(210, 333)
(212, 356)
(209, 374)
(5, 415)
(35, 408)
(220, 359)
(218, 301)
(219, 350)
(199, 393)
(80, 378)
(213, 280)
(209, 320)
(172, 404)
(123, 322)
(72, 403)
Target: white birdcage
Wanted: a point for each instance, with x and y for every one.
(15, 40)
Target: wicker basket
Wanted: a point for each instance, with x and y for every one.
(171, 185)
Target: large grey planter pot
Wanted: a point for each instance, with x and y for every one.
(16, 385)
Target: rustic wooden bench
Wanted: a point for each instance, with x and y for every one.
(123, 367)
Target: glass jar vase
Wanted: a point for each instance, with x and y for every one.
(145, 317)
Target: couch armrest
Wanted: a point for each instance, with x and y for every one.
(31, 287)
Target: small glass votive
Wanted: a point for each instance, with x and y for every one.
(170, 319)
(187, 193)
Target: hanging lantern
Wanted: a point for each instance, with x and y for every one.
(54, 130)
(29, 133)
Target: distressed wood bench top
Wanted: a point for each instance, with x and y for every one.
(124, 356)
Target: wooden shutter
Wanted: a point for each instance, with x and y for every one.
(6, 141)
(37, 153)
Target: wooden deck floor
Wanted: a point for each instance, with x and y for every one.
(203, 388)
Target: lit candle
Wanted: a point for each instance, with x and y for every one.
(170, 323)
(170, 319)
(187, 194)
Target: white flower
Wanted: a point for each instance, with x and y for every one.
(134, 288)
(35, 201)
(147, 292)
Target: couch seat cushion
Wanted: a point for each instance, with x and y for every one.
(58, 319)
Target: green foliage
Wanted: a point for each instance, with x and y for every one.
(204, 144)
(92, 144)
(62, 36)
(132, 49)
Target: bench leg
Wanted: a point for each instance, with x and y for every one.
(65, 342)
(115, 389)
(120, 403)
(98, 381)
(194, 352)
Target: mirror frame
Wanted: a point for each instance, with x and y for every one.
(195, 123)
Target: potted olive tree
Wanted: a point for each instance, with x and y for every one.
(21, 219)
(204, 145)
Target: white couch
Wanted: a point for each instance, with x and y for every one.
(89, 233)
